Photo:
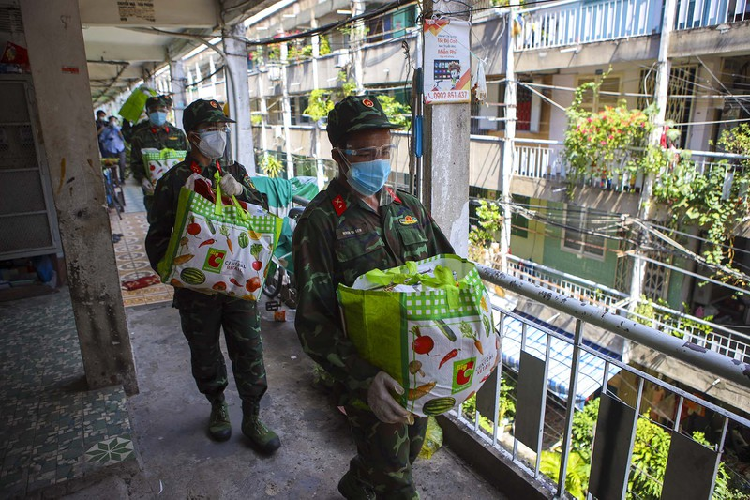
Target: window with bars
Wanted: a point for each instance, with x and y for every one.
(582, 233)
(519, 223)
(680, 90)
(593, 103)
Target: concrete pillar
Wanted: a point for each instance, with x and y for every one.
(447, 132)
(179, 97)
(358, 34)
(286, 109)
(58, 67)
(238, 96)
(661, 86)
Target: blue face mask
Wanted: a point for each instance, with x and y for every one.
(368, 177)
(158, 118)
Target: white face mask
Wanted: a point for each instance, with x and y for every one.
(212, 143)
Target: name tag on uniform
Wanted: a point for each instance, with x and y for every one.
(408, 221)
(352, 232)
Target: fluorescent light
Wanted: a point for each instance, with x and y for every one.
(261, 28)
(347, 12)
(289, 15)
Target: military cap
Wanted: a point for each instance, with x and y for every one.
(162, 100)
(203, 111)
(356, 113)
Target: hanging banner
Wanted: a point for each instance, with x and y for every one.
(447, 61)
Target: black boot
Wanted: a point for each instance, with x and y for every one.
(219, 426)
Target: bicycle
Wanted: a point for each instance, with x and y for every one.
(112, 188)
(281, 283)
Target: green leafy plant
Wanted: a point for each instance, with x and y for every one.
(325, 46)
(397, 113)
(486, 230)
(319, 104)
(271, 166)
(256, 119)
(649, 459)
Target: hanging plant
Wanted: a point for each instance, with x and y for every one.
(271, 166)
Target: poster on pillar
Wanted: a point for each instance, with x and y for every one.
(447, 61)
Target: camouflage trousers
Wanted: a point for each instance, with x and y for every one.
(148, 203)
(385, 453)
(202, 316)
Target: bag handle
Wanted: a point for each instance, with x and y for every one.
(443, 279)
(219, 208)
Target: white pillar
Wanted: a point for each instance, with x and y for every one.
(179, 98)
(447, 130)
(358, 35)
(661, 86)
(286, 109)
(239, 102)
(509, 144)
(54, 40)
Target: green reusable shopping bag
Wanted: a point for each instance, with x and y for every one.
(133, 107)
(217, 248)
(157, 162)
(428, 324)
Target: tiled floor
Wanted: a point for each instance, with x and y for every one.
(52, 429)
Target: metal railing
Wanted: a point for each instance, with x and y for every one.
(538, 159)
(701, 13)
(617, 416)
(575, 22)
(717, 338)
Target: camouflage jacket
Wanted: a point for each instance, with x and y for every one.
(337, 239)
(167, 136)
(167, 196)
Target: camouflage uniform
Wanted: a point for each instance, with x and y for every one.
(202, 315)
(337, 239)
(143, 136)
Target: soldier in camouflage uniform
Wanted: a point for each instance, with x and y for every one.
(354, 225)
(202, 315)
(160, 134)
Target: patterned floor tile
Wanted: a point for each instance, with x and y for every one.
(43, 403)
(110, 451)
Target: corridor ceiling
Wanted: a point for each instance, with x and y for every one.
(127, 40)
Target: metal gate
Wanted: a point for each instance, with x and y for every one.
(27, 220)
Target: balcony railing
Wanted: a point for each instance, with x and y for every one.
(576, 22)
(622, 405)
(717, 338)
(702, 13)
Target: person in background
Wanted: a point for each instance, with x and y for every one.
(101, 124)
(113, 144)
(357, 224)
(159, 134)
(203, 315)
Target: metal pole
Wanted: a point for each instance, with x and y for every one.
(509, 145)
(570, 410)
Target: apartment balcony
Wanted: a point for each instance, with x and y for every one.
(580, 33)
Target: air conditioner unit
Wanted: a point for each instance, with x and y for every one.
(342, 60)
(274, 73)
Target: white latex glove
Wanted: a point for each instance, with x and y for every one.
(148, 188)
(229, 185)
(381, 402)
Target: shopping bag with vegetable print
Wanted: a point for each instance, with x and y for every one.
(157, 162)
(217, 248)
(429, 325)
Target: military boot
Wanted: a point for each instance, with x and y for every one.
(262, 438)
(352, 488)
(219, 426)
